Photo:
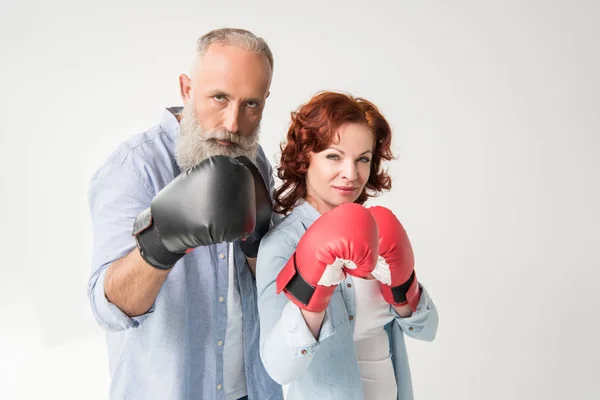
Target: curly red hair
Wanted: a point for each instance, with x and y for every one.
(313, 128)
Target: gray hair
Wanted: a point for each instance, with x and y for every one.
(234, 37)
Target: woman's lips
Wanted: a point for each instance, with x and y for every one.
(345, 189)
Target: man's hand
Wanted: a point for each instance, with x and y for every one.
(264, 210)
(211, 203)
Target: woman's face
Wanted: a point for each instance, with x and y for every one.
(338, 174)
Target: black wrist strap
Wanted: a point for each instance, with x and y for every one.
(299, 288)
(399, 292)
(152, 249)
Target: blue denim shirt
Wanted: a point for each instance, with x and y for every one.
(326, 368)
(171, 352)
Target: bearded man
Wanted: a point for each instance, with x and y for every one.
(177, 213)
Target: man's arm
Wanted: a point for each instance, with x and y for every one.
(117, 194)
(133, 285)
(180, 217)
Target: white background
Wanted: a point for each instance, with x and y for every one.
(494, 107)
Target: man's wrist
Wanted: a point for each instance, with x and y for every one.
(151, 247)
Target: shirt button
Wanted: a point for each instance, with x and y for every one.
(303, 351)
(351, 317)
(219, 386)
(220, 343)
(221, 299)
(349, 285)
(410, 328)
(221, 255)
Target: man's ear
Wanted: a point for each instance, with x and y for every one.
(185, 87)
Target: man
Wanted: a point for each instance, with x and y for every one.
(177, 217)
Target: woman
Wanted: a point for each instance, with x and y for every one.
(336, 281)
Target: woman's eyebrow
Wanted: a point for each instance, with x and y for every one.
(341, 151)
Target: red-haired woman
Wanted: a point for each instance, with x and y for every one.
(336, 280)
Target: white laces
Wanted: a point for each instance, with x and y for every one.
(382, 271)
(334, 273)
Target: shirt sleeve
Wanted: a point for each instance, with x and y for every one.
(423, 322)
(286, 343)
(116, 195)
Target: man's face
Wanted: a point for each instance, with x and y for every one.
(224, 102)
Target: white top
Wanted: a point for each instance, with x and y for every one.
(371, 341)
(234, 375)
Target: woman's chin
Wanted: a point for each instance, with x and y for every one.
(345, 200)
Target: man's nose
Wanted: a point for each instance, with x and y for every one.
(232, 115)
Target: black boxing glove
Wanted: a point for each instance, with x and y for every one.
(264, 211)
(212, 202)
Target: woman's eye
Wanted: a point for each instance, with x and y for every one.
(332, 156)
(364, 159)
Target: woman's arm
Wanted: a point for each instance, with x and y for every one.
(306, 273)
(403, 311)
(422, 324)
(287, 343)
(313, 320)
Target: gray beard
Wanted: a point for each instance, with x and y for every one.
(195, 143)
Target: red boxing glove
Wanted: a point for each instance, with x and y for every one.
(395, 268)
(343, 240)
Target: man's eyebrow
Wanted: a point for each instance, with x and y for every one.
(215, 92)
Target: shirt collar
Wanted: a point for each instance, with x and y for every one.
(169, 123)
(307, 213)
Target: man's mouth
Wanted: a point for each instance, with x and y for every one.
(226, 143)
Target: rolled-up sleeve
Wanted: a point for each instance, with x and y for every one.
(116, 195)
(286, 343)
(423, 322)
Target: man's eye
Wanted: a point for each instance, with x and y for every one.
(219, 97)
(252, 104)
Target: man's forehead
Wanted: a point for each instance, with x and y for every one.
(232, 69)
(219, 57)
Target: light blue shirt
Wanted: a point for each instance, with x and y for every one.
(175, 350)
(326, 368)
